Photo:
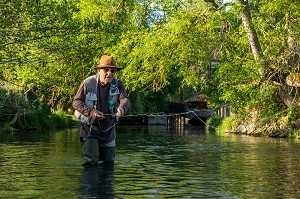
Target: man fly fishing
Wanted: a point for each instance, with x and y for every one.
(100, 100)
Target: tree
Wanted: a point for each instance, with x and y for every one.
(166, 48)
(250, 30)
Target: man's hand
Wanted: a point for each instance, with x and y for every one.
(120, 112)
(97, 115)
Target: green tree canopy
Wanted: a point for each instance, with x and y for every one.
(240, 52)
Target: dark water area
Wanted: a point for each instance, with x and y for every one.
(151, 162)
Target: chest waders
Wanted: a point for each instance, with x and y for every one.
(92, 153)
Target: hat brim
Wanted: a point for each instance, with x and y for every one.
(107, 66)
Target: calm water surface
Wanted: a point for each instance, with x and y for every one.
(151, 162)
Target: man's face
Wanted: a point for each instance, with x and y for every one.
(106, 74)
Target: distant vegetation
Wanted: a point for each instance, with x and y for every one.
(241, 53)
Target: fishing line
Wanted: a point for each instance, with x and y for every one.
(171, 114)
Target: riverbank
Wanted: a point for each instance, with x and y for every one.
(39, 121)
(281, 127)
(271, 128)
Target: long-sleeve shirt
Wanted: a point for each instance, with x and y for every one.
(103, 129)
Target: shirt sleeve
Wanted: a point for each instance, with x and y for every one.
(79, 101)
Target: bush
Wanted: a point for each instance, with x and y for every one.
(7, 128)
(213, 122)
(294, 134)
(32, 114)
(227, 124)
(60, 119)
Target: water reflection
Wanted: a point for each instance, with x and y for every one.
(150, 163)
(97, 182)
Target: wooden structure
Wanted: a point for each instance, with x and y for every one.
(194, 111)
(197, 101)
(198, 104)
(223, 111)
(176, 118)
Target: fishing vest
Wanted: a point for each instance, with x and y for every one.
(91, 98)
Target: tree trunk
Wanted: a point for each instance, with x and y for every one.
(250, 30)
(13, 121)
(293, 79)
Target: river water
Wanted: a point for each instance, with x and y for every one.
(151, 162)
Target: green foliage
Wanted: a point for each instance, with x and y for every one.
(227, 124)
(147, 102)
(295, 134)
(38, 118)
(7, 128)
(25, 112)
(167, 53)
(136, 99)
(213, 122)
(165, 48)
(44, 119)
(60, 119)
